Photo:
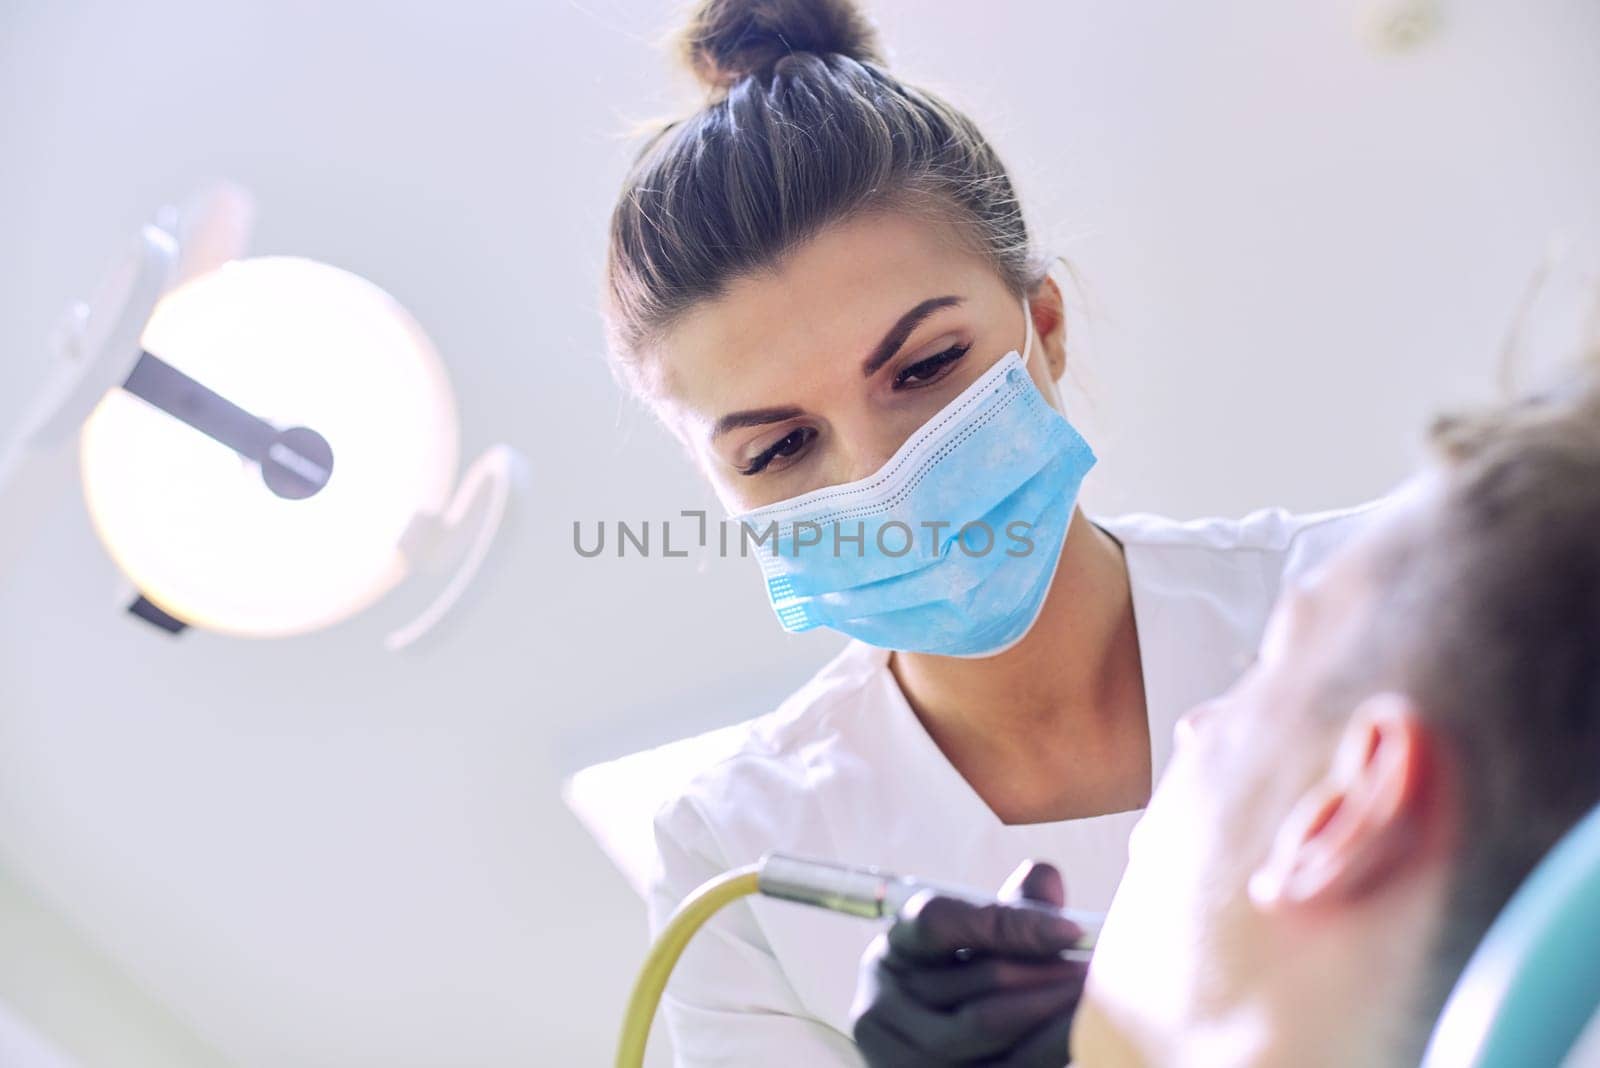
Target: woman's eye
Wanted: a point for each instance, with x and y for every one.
(929, 370)
(785, 448)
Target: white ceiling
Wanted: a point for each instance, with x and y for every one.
(312, 853)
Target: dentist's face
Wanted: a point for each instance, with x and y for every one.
(814, 372)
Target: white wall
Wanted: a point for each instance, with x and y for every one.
(22, 1046)
(63, 1004)
(315, 854)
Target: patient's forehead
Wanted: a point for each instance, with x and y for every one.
(1330, 606)
(1313, 605)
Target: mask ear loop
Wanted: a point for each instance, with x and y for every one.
(1027, 325)
(1057, 401)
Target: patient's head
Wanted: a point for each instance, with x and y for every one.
(1422, 723)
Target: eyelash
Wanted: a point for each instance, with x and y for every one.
(759, 464)
(947, 358)
(938, 363)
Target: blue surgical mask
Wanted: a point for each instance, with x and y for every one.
(950, 547)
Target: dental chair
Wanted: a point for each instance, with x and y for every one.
(1532, 987)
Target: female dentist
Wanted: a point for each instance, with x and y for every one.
(822, 283)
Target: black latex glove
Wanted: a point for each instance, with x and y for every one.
(953, 983)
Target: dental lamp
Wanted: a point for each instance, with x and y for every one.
(266, 446)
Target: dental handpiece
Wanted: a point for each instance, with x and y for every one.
(872, 893)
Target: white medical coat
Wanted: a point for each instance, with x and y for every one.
(844, 770)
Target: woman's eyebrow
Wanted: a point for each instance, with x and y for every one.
(901, 330)
(752, 417)
(881, 355)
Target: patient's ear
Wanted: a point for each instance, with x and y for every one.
(1361, 821)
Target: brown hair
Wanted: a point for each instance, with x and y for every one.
(1516, 625)
(1488, 615)
(802, 128)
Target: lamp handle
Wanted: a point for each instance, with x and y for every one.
(93, 349)
(477, 513)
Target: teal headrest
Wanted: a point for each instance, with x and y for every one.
(1533, 984)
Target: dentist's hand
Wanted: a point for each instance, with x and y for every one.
(953, 983)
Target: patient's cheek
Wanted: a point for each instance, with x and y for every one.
(1135, 837)
(1151, 953)
(1097, 1039)
(1144, 963)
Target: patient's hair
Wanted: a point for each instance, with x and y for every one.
(803, 127)
(1489, 616)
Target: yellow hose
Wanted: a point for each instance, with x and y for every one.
(696, 909)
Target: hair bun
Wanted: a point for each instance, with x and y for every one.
(727, 40)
